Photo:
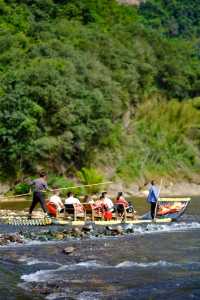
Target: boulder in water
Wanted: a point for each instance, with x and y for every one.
(119, 229)
(68, 250)
(76, 231)
(129, 228)
(59, 236)
(87, 228)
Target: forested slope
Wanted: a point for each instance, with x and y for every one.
(95, 83)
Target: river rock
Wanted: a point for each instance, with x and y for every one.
(129, 228)
(3, 241)
(119, 229)
(59, 236)
(43, 238)
(76, 231)
(114, 230)
(68, 250)
(109, 228)
(15, 238)
(87, 228)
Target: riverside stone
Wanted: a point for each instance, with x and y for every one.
(76, 231)
(129, 228)
(87, 228)
(68, 250)
(59, 235)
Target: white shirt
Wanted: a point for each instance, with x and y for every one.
(108, 202)
(55, 199)
(72, 200)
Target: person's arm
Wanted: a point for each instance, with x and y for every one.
(61, 203)
(46, 187)
(31, 184)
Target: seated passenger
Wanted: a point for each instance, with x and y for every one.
(73, 200)
(55, 203)
(120, 200)
(98, 205)
(88, 199)
(107, 202)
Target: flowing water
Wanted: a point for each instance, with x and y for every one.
(155, 262)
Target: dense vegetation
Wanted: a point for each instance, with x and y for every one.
(92, 83)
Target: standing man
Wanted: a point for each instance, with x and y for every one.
(152, 198)
(39, 186)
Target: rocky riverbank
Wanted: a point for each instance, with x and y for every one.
(168, 189)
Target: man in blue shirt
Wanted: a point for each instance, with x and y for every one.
(152, 197)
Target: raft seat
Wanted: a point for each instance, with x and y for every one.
(92, 213)
(124, 214)
(72, 211)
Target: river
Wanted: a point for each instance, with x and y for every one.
(154, 262)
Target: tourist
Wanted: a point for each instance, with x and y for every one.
(75, 201)
(39, 186)
(121, 200)
(88, 199)
(55, 203)
(152, 198)
(71, 199)
(107, 202)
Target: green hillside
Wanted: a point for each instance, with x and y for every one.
(91, 83)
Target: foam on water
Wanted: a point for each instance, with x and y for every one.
(172, 227)
(44, 275)
(47, 275)
(160, 263)
(55, 296)
(30, 261)
(89, 296)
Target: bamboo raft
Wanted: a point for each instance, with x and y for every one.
(167, 211)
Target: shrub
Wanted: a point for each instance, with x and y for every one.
(21, 188)
(91, 176)
(60, 182)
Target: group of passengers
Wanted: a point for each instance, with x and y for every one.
(100, 204)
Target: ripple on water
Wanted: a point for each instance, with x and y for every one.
(52, 274)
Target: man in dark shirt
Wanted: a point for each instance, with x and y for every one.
(39, 186)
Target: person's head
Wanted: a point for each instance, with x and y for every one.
(119, 195)
(103, 194)
(43, 175)
(101, 197)
(86, 198)
(56, 190)
(69, 194)
(152, 182)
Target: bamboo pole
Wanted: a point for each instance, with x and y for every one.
(157, 199)
(59, 189)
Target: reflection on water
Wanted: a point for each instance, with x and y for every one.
(16, 205)
(156, 262)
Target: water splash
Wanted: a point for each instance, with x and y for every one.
(159, 228)
(160, 263)
(50, 274)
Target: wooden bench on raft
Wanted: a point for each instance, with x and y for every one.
(100, 213)
(71, 210)
(122, 212)
(92, 213)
